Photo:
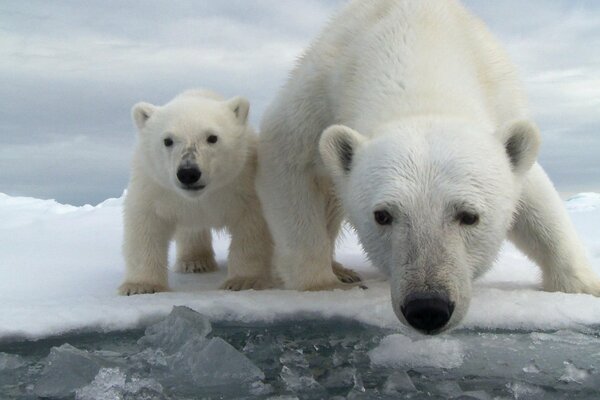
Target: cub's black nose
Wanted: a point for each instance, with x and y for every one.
(188, 176)
(427, 312)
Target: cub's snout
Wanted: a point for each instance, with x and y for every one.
(189, 175)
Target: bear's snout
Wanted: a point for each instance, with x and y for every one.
(188, 175)
(427, 312)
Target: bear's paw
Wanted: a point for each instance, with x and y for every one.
(345, 275)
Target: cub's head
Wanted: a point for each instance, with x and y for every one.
(195, 143)
(431, 203)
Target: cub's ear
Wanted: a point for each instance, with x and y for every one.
(240, 107)
(338, 146)
(141, 113)
(522, 142)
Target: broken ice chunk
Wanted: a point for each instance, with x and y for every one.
(573, 374)
(298, 380)
(474, 395)
(213, 362)
(398, 351)
(448, 389)
(340, 378)
(176, 329)
(11, 362)
(522, 390)
(398, 382)
(110, 384)
(531, 368)
(66, 369)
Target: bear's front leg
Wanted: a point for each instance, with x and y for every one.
(250, 253)
(145, 249)
(295, 206)
(543, 231)
(194, 251)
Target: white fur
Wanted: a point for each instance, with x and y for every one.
(158, 208)
(434, 123)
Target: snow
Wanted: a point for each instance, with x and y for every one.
(60, 266)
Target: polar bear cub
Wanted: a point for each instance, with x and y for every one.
(193, 171)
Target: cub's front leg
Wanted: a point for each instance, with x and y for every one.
(194, 251)
(250, 253)
(145, 249)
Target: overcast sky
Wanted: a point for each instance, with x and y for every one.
(70, 72)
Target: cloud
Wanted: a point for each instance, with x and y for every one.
(71, 71)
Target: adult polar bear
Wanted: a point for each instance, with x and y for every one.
(432, 161)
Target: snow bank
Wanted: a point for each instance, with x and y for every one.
(60, 266)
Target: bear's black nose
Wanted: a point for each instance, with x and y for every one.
(188, 175)
(427, 312)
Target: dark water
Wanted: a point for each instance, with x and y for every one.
(323, 359)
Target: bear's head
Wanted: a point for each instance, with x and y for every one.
(431, 202)
(196, 143)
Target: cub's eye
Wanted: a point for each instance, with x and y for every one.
(383, 217)
(212, 139)
(168, 142)
(467, 218)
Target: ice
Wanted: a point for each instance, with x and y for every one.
(11, 362)
(296, 374)
(531, 368)
(66, 370)
(173, 332)
(448, 389)
(474, 395)
(398, 382)
(400, 351)
(151, 357)
(358, 391)
(111, 384)
(340, 377)
(213, 363)
(573, 374)
(298, 379)
(526, 391)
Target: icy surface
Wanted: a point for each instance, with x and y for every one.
(60, 266)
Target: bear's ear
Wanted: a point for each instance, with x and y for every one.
(522, 141)
(240, 107)
(141, 113)
(338, 146)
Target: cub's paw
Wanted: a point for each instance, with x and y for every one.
(344, 274)
(207, 264)
(246, 283)
(129, 288)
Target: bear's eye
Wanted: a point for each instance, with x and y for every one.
(467, 218)
(168, 142)
(212, 139)
(383, 217)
